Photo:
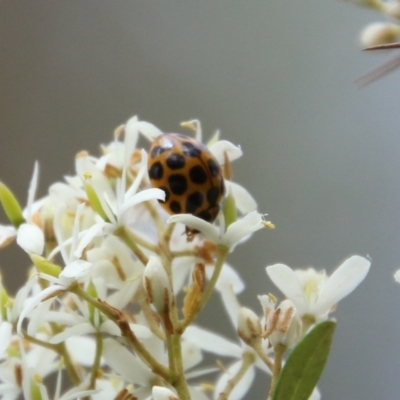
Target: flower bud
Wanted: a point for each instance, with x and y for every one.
(230, 210)
(94, 198)
(379, 33)
(162, 393)
(249, 325)
(46, 266)
(30, 238)
(156, 283)
(193, 295)
(286, 326)
(11, 206)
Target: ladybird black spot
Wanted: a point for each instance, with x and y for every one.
(193, 202)
(213, 167)
(176, 161)
(156, 171)
(177, 183)
(206, 215)
(190, 150)
(175, 207)
(198, 175)
(213, 195)
(167, 194)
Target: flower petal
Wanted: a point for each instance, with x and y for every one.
(245, 202)
(131, 133)
(191, 355)
(397, 276)
(224, 147)
(120, 359)
(30, 238)
(138, 180)
(228, 276)
(212, 342)
(148, 130)
(88, 235)
(342, 282)
(5, 337)
(144, 195)
(7, 234)
(231, 303)
(162, 393)
(237, 231)
(74, 271)
(35, 301)
(77, 330)
(32, 189)
(82, 349)
(243, 385)
(287, 282)
(197, 394)
(207, 229)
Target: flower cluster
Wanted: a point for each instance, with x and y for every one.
(117, 283)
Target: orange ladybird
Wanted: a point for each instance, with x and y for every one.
(189, 175)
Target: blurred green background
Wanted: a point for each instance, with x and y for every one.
(320, 155)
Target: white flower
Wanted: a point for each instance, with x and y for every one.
(314, 293)
(235, 232)
(116, 207)
(283, 326)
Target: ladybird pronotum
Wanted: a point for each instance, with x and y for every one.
(189, 175)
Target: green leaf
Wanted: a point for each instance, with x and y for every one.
(305, 364)
(11, 206)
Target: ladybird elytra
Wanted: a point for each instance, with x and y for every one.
(189, 175)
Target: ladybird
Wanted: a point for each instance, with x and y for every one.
(189, 175)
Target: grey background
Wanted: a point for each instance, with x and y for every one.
(321, 156)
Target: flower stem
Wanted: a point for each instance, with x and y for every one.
(96, 361)
(279, 350)
(130, 240)
(179, 382)
(256, 345)
(119, 319)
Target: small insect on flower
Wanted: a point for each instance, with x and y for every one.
(189, 175)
